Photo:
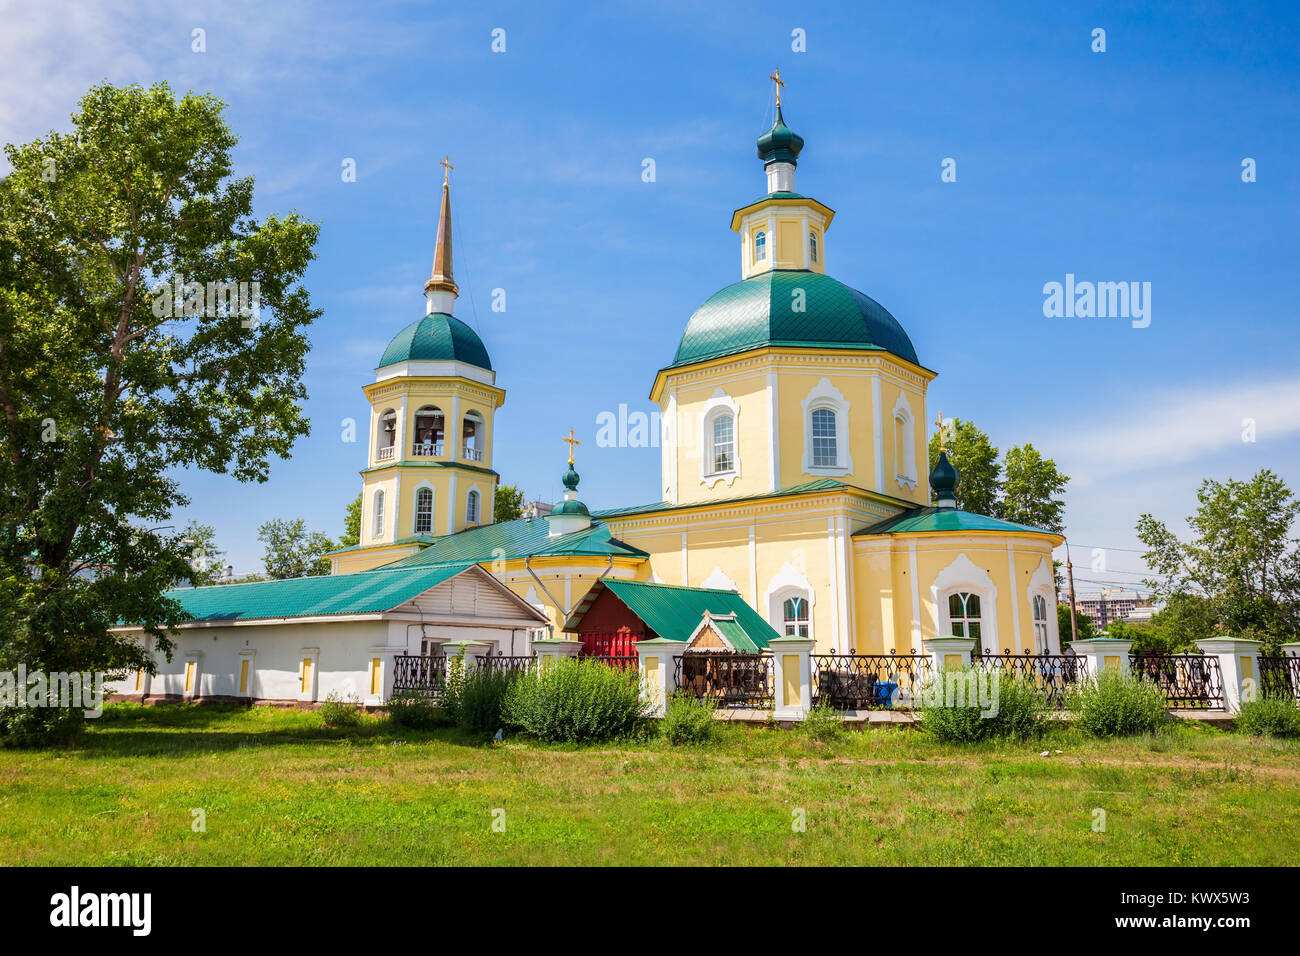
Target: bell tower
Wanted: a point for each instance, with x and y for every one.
(432, 408)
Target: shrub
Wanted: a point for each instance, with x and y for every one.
(576, 701)
(823, 723)
(1119, 705)
(40, 726)
(335, 711)
(1020, 713)
(689, 720)
(417, 712)
(480, 698)
(1269, 717)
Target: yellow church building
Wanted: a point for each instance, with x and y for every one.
(794, 464)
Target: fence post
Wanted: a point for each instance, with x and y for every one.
(1291, 650)
(791, 677)
(1239, 665)
(948, 653)
(1104, 654)
(552, 649)
(655, 661)
(472, 651)
(379, 686)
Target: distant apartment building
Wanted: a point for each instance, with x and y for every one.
(1115, 606)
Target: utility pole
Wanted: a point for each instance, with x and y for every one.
(1069, 575)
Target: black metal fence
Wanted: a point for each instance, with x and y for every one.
(419, 674)
(506, 662)
(1279, 677)
(733, 680)
(1189, 681)
(868, 681)
(1053, 674)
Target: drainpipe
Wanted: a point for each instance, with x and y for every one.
(528, 566)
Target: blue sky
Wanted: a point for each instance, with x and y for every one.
(1115, 166)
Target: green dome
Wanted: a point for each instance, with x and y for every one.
(437, 337)
(780, 144)
(944, 477)
(571, 508)
(758, 312)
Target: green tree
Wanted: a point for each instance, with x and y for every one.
(1082, 622)
(106, 393)
(352, 524)
(1240, 572)
(976, 459)
(1029, 494)
(1031, 490)
(205, 558)
(509, 503)
(292, 551)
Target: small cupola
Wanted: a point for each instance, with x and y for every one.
(943, 482)
(569, 515)
(779, 148)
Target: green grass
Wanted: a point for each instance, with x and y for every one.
(278, 789)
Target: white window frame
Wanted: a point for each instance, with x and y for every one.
(760, 234)
(787, 583)
(1042, 583)
(377, 517)
(824, 395)
(473, 494)
(814, 247)
(415, 507)
(905, 457)
(963, 574)
(719, 404)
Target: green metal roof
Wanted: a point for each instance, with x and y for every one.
(516, 539)
(674, 612)
(367, 592)
(436, 337)
(736, 635)
(920, 520)
(413, 539)
(808, 487)
(759, 311)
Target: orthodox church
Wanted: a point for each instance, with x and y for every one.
(794, 479)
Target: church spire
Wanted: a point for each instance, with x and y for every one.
(779, 147)
(440, 291)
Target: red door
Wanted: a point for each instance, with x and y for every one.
(620, 643)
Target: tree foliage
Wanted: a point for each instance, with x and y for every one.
(509, 503)
(206, 560)
(102, 399)
(1239, 574)
(352, 524)
(1024, 487)
(292, 551)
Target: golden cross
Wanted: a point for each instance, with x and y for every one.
(572, 441)
(775, 77)
(447, 167)
(940, 424)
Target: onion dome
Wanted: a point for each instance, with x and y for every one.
(943, 482)
(780, 144)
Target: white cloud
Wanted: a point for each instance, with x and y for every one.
(1176, 427)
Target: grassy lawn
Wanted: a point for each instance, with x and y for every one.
(277, 789)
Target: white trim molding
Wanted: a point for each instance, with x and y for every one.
(904, 424)
(719, 404)
(964, 575)
(827, 396)
(786, 583)
(1042, 583)
(433, 507)
(718, 581)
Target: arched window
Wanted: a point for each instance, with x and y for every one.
(387, 437)
(760, 247)
(824, 445)
(904, 443)
(379, 513)
(794, 617)
(428, 437)
(964, 615)
(722, 445)
(424, 511)
(1041, 645)
(471, 508)
(472, 436)
(812, 245)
